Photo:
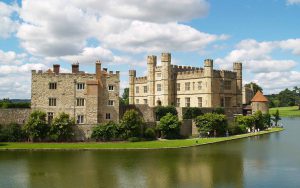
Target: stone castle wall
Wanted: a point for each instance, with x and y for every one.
(14, 115)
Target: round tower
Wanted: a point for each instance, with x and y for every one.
(132, 75)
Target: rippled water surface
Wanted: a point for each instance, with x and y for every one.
(265, 161)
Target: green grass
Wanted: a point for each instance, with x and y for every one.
(158, 144)
(292, 111)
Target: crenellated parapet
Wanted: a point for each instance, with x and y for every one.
(140, 80)
(193, 74)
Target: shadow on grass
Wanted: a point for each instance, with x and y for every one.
(3, 144)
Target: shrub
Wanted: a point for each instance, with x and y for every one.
(259, 120)
(150, 134)
(134, 139)
(169, 126)
(105, 132)
(267, 119)
(161, 111)
(36, 127)
(12, 133)
(219, 110)
(237, 129)
(192, 113)
(61, 128)
(211, 123)
(247, 121)
(276, 117)
(131, 124)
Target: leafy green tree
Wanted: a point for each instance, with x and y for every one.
(161, 111)
(12, 133)
(211, 124)
(219, 110)
(192, 113)
(267, 119)
(255, 86)
(131, 124)
(61, 128)
(150, 133)
(276, 117)
(259, 120)
(169, 125)
(247, 121)
(105, 131)
(125, 97)
(36, 127)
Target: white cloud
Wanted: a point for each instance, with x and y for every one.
(291, 2)
(7, 24)
(11, 57)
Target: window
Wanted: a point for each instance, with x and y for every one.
(52, 101)
(227, 85)
(107, 116)
(110, 102)
(80, 119)
(178, 102)
(110, 87)
(200, 102)
(187, 86)
(80, 102)
(158, 74)
(145, 101)
(137, 89)
(193, 85)
(178, 86)
(158, 87)
(52, 85)
(145, 89)
(50, 117)
(200, 85)
(137, 101)
(187, 102)
(227, 101)
(80, 86)
(222, 102)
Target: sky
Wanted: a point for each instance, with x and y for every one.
(262, 34)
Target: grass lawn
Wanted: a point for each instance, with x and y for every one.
(128, 145)
(291, 111)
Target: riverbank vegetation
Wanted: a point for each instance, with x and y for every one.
(156, 144)
(290, 111)
(7, 103)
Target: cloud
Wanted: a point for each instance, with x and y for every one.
(7, 24)
(292, 2)
(11, 57)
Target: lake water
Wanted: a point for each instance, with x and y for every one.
(265, 161)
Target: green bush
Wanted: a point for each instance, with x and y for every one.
(237, 129)
(169, 126)
(267, 120)
(12, 133)
(211, 123)
(36, 127)
(105, 132)
(192, 113)
(134, 139)
(61, 128)
(150, 134)
(219, 110)
(131, 124)
(247, 121)
(161, 111)
(259, 120)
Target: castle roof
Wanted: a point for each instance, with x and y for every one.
(259, 97)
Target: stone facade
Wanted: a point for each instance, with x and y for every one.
(88, 98)
(248, 94)
(185, 86)
(14, 115)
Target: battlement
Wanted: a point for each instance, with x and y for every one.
(165, 57)
(224, 74)
(141, 79)
(177, 68)
(190, 74)
(237, 66)
(152, 59)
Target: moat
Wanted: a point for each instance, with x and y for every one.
(271, 160)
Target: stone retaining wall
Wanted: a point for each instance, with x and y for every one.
(14, 115)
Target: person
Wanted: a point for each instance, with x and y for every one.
(227, 133)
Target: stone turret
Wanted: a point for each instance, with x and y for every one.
(151, 64)
(166, 79)
(260, 103)
(132, 75)
(238, 68)
(208, 74)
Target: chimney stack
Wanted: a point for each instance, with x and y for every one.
(75, 68)
(98, 70)
(56, 68)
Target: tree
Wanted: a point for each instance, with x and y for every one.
(247, 121)
(161, 111)
(276, 117)
(267, 119)
(169, 126)
(125, 97)
(11, 133)
(131, 124)
(105, 131)
(255, 86)
(211, 124)
(36, 127)
(61, 128)
(259, 120)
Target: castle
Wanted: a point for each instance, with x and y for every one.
(185, 86)
(88, 98)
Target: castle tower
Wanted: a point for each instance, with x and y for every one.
(132, 75)
(151, 64)
(166, 79)
(238, 68)
(208, 74)
(260, 103)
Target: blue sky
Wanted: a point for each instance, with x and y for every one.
(264, 35)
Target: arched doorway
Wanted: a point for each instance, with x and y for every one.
(158, 103)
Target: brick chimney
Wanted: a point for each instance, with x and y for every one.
(98, 70)
(56, 68)
(75, 68)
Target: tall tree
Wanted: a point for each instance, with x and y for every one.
(125, 97)
(255, 86)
